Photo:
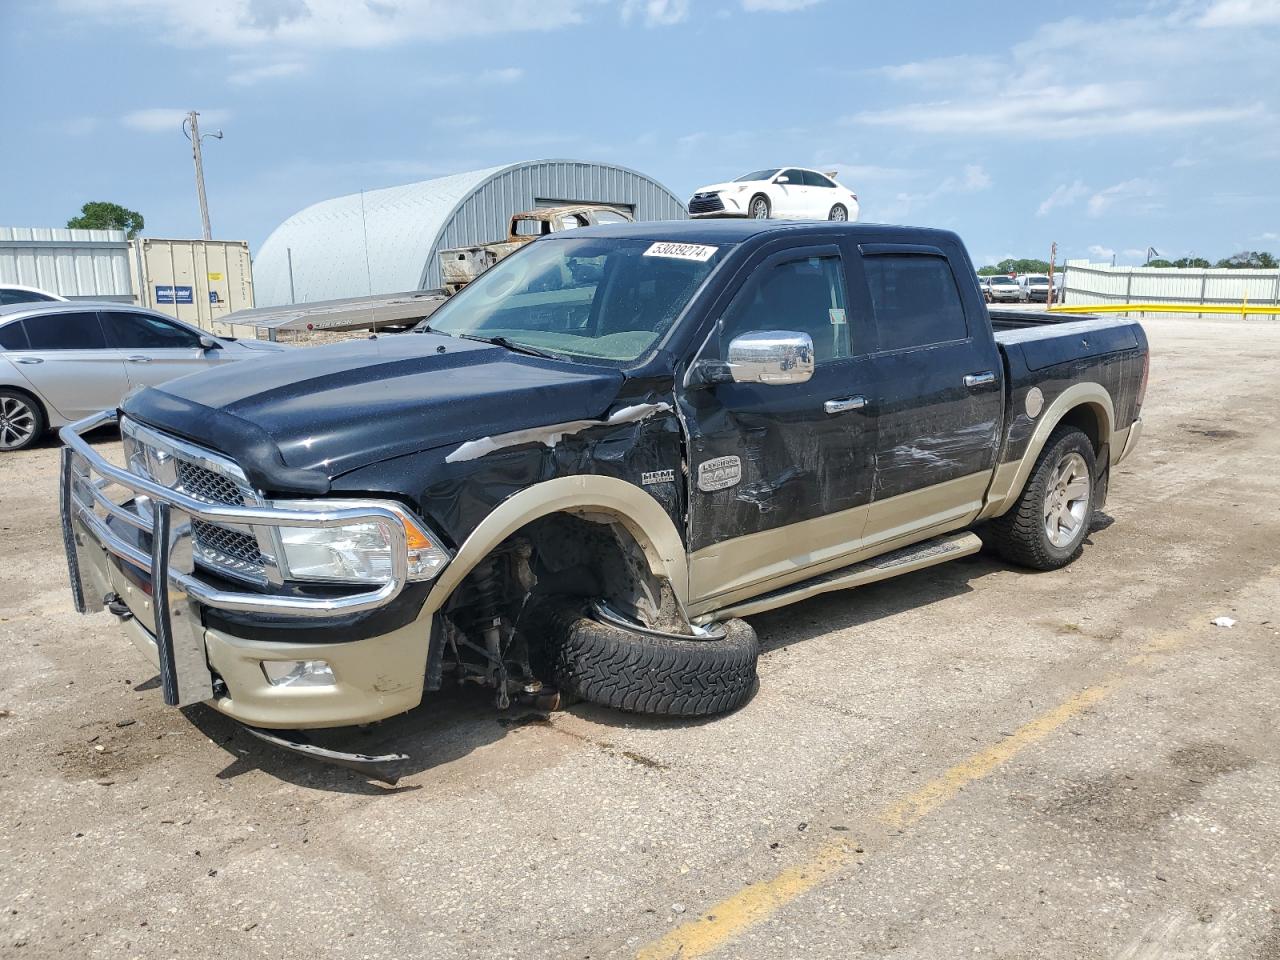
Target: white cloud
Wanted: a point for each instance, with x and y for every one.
(496, 77)
(1131, 193)
(973, 180)
(1269, 236)
(324, 23)
(169, 119)
(267, 71)
(1064, 195)
(656, 13)
(777, 6)
(1106, 253)
(851, 174)
(1241, 13)
(1047, 87)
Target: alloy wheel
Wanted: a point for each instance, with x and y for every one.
(17, 422)
(1066, 501)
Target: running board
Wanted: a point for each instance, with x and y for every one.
(905, 560)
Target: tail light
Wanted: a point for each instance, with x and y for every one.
(1146, 372)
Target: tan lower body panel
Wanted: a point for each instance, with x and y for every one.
(735, 570)
(905, 560)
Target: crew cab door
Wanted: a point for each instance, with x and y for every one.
(939, 392)
(780, 474)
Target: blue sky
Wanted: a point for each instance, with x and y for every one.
(1128, 124)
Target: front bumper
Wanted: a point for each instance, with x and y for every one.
(166, 596)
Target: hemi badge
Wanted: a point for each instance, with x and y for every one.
(657, 476)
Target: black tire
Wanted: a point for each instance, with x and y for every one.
(22, 420)
(843, 212)
(1020, 535)
(644, 673)
(759, 202)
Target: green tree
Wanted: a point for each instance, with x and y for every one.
(1248, 258)
(1161, 263)
(100, 215)
(1196, 262)
(1010, 265)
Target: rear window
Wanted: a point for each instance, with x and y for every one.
(916, 301)
(65, 331)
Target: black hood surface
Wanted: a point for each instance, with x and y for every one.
(328, 410)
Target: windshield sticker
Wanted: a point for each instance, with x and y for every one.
(682, 251)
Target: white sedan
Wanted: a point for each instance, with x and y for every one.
(780, 193)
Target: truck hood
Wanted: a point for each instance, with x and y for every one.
(297, 420)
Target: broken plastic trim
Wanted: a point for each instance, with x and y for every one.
(386, 768)
(552, 433)
(606, 614)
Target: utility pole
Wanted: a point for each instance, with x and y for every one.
(194, 136)
(1053, 255)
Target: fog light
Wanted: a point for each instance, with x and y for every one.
(298, 673)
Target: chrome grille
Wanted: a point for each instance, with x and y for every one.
(207, 485)
(204, 476)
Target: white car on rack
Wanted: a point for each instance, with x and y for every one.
(779, 193)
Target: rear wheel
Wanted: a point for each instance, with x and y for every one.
(1045, 529)
(759, 208)
(22, 421)
(838, 212)
(628, 668)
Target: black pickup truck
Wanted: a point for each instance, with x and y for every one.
(589, 466)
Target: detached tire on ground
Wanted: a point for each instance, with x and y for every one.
(1045, 529)
(646, 672)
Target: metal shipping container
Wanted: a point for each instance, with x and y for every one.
(199, 281)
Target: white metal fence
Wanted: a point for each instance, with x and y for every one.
(1085, 283)
(70, 263)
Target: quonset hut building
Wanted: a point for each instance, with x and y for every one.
(389, 240)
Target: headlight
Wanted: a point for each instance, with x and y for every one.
(356, 552)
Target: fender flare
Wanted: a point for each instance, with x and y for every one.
(1011, 477)
(620, 501)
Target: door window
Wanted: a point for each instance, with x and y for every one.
(13, 336)
(8, 297)
(65, 331)
(141, 331)
(805, 296)
(916, 301)
(794, 178)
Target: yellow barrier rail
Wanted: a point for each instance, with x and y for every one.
(1242, 309)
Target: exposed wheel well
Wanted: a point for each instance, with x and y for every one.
(1089, 420)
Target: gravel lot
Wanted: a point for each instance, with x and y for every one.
(969, 760)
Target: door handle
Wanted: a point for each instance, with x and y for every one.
(972, 380)
(28, 360)
(845, 404)
(138, 359)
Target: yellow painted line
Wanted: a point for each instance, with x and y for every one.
(759, 901)
(1242, 309)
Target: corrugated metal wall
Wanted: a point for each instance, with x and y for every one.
(484, 216)
(70, 263)
(1102, 283)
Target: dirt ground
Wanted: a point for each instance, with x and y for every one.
(971, 760)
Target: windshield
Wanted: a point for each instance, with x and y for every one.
(1037, 279)
(758, 175)
(598, 299)
(1003, 280)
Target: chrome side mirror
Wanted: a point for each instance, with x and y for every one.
(771, 356)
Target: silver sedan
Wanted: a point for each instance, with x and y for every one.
(60, 362)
